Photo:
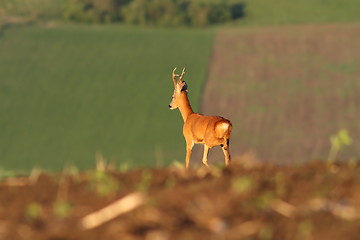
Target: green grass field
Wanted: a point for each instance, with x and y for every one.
(70, 92)
(262, 12)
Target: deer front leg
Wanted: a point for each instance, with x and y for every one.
(188, 154)
(225, 149)
(206, 151)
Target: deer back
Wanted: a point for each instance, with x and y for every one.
(210, 130)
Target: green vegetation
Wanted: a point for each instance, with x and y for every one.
(242, 185)
(61, 209)
(186, 12)
(33, 211)
(6, 173)
(36, 9)
(70, 92)
(190, 13)
(338, 141)
(181, 12)
(140, 12)
(154, 12)
(145, 181)
(102, 182)
(261, 12)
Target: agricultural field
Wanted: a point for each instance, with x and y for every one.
(282, 12)
(249, 201)
(287, 89)
(74, 94)
(70, 94)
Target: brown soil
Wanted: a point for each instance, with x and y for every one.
(286, 89)
(251, 201)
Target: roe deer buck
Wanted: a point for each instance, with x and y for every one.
(208, 130)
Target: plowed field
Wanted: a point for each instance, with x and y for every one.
(251, 201)
(286, 89)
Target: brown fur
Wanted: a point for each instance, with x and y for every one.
(210, 131)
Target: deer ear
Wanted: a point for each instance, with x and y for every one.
(180, 85)
(184, 86)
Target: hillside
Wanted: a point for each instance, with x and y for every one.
(286, 89)
(72, 93)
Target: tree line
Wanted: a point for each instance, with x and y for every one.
(154, 12)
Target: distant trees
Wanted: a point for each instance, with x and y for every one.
(154, 12)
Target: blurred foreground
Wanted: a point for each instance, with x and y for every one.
(251, 201)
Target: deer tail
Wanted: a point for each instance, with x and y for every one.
(223, 129)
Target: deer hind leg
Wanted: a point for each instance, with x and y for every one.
(206, 151)
(188, 153)
(225, 149)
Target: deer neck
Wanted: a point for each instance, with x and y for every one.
(185, 107)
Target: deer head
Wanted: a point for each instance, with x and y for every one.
(179, 87)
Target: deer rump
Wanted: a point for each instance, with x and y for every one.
(209, 130)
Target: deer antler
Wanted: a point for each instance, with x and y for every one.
(182, 74)
(173, 76)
